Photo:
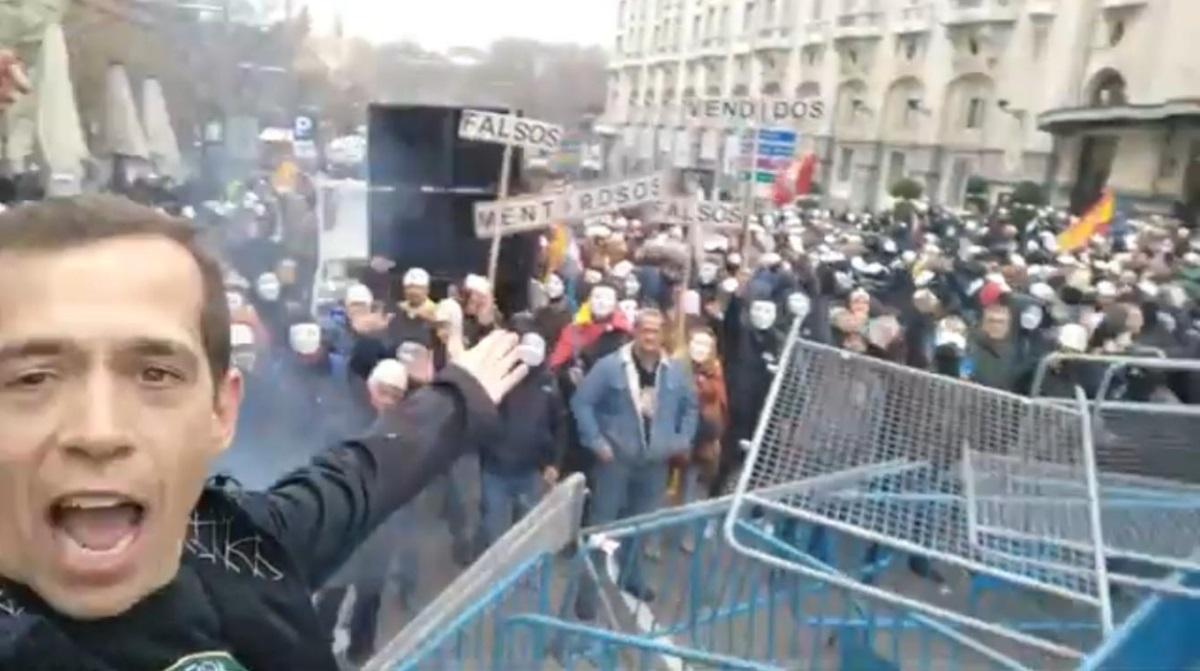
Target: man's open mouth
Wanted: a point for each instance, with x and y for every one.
(98, 524)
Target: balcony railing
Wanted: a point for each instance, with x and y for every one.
(914, 19)
(965, 12)
(859, 24)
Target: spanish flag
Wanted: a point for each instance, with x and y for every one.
(1095, 220)
(557, 247)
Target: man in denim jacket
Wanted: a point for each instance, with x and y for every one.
(635, 410)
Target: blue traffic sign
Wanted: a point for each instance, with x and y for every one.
(781, 136)
(776, 150)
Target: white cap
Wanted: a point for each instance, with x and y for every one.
(1043, 292)
(478, 283)
(416, 277)
(389, 372)
(1073, 337)
(240, 335)
(359, 294)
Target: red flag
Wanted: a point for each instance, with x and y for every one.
(795, 181)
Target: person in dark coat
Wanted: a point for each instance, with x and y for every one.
(753, 345)
(992, 354)
(527, 451)
(115, 555)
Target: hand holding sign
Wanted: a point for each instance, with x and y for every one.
(13, 82)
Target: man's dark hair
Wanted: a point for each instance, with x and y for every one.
(64, 223)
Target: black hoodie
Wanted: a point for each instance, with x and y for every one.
(252, 560)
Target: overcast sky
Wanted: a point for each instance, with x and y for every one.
(438, 24)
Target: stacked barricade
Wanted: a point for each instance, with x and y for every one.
(885, 519)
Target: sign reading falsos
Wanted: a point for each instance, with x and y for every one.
(533, 213)
(711, 215)
(509, 129)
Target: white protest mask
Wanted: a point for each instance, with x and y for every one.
(629, 308)
(305, 338)
(532, 350)
(1031, 317)
(690, 302)
(798, 305)
(632, 286)
(707, 272)
(603, 302)
(268, 287)
(763, 315)
(555, 288)
(700, 348)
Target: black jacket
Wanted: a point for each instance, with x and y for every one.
(533, 433)
(253, 559)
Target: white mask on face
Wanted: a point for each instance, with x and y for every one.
(700, 349)
(555, 288)
(629, 308)
(268, 287)
(690, 302)
(632, 287)
(707, 272)
(763, 315)
(305, 338)
(532, 350)
(1031, 317)
(799, 305)
(603, 302)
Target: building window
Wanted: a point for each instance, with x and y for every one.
(696, 24)
(976, 107)
(816, 9)
(1040, 36)
(1116, 32)
(1110, 90)
(908, 46)
(711, 23)
(852, 56)
(748, 18)
(845, 164)
(725, 22)
(973, 46)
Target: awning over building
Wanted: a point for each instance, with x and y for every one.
(1071, 119)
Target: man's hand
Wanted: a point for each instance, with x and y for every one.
(13, 82)
(494, 363)
(550, 475)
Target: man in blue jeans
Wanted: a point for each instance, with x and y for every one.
(526, 454)
(635, 410)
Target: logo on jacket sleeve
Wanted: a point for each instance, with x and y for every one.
(207, 661)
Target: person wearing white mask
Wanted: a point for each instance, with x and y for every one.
(598, 329)
(414, 319)
(713, 402)
(751, 350)
(524, 458)
(552, 317)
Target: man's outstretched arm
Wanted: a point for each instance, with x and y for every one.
(322, 512)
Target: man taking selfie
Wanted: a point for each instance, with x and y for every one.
(116, 395)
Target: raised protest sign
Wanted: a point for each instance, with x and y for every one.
(509, 129)
(711, 215)
(752, 109)
(533, 213)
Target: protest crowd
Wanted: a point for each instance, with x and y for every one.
(651, 364)
(652, 346)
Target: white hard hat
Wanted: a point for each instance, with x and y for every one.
(359, 294)
(389, 372)
(416, 277)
